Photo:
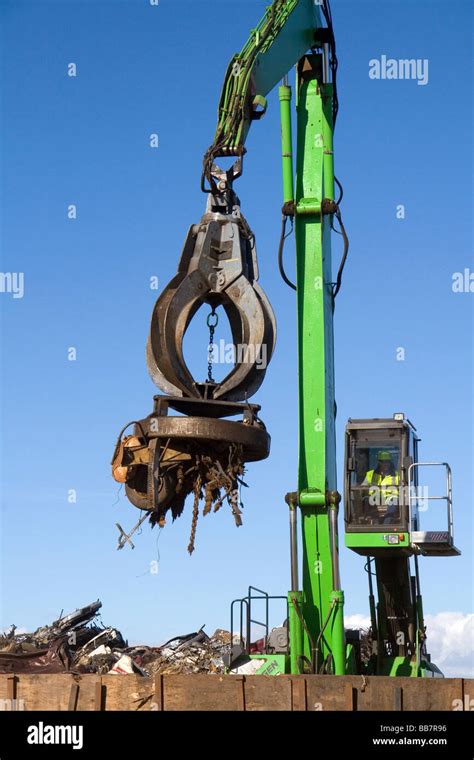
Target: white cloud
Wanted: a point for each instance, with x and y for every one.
(356, 621)
(450, 641)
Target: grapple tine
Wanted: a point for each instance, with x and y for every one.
(218, 266)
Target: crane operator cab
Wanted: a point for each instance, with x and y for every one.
(383, 497)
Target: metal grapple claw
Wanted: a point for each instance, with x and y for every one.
(200, 452)
(218, 266)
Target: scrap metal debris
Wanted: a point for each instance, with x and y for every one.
(183, 469)
(194, 653)
(76, 643)
(207, 479)
(67, 644)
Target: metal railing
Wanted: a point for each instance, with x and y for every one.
(247, 621)
(414, 498)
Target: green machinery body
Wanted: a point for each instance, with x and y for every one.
(296, 33)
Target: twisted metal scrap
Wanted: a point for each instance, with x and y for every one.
(218, 480)
(209, 481)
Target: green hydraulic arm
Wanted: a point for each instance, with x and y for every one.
(321, 598)
(299, 32)
(288, 29)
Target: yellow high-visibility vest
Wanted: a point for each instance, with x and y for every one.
(383, 483)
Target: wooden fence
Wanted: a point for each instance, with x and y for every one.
(214, 692)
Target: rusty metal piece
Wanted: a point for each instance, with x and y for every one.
(173, 457)
(213, 476)
(130, 452)
(218, 266)
(218, 433)
(52, 659)
(125, 538)
(197, 495)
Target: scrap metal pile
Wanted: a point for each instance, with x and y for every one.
(76, 643)
(200, 453)
(214, 477)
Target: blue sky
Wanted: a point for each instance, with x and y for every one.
(84, 140)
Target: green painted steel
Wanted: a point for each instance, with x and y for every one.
(323, 605)
(295, 607)
(419, 613)
(398, 666)
(376, 540)
(284, 34)
(351, 666)
(312, 498)
(328, 157)
(316, 624)
(409, 667)
(284, 93)
(272, 664)
(337, 634)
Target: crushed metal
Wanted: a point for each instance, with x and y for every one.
(77, 643)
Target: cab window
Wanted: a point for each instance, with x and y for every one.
(374, 480)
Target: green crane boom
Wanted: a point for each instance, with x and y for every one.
(281, 41)
(299, 33)
(201, 452)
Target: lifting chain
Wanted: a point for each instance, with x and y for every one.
(212, 322)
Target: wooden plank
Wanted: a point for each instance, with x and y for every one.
(236, 693)
(298, 693)
(240, 692)
(467, 703)
(351, 696)
(432, 693)
(3, 686)
(202, 692)
(398, 698)
(52, 691)
(9, 695)
(12, 681)
(267, 693)
(158, 696)
(377, 692)
(73, 697)
(324, 694)
(130, 692)
(99, 696)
